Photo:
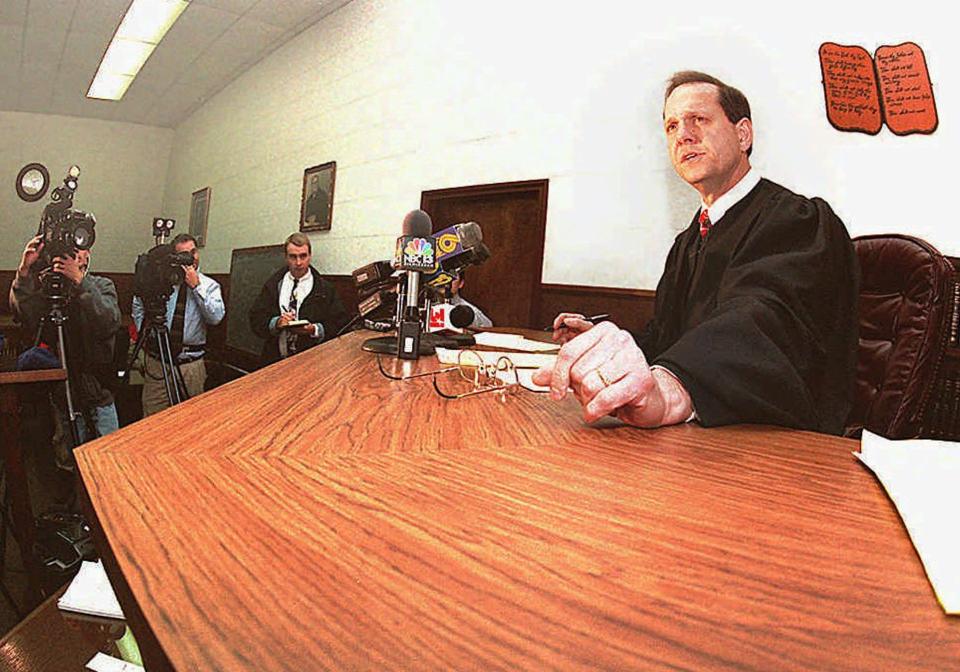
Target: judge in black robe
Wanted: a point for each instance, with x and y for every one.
(756, 317)
(758, 320)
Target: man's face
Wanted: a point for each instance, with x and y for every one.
(298, 259)
(83, 260)
(707, 150)
(189, 246)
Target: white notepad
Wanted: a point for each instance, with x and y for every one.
(922, 477)
(492, 339)
(90, 593)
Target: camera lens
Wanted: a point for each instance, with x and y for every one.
(83, 237)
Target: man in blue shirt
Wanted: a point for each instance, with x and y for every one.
(202, 305)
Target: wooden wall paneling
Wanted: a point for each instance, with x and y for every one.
(628, 308)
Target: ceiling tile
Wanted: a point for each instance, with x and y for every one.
(163, 68)
(50, 50)
(137, 105)
(179, 101)
(75, 104)
(99, 17)
(286, 13)
(36, 90)
(13, 12)
(81, 56)
(9, 90)
(11, 37)
(197, 27)
(244, 40)
(42, 46)
(50, 15)
(234, 6)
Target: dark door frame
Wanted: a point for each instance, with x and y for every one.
(539, 188)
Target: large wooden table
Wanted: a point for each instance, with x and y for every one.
(315, 515)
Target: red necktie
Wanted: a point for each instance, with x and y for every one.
(705, 224)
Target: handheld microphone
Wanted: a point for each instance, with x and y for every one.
(415, 254)
(458, 246)
(447, 317)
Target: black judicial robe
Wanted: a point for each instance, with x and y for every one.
(759, 320)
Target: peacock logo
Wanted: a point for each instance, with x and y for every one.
(419, 248)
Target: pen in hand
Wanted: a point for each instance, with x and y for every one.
(593, 318)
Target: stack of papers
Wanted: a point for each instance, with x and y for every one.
(90, 593)
(492, 339)
(923, 479)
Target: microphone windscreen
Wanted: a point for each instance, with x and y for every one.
(417, 223)
(462, 316)
(470, 234)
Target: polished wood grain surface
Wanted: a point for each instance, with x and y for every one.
(315, 515)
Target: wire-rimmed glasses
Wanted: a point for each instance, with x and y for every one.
(485, 374)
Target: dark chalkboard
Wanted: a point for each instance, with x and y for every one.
(249, 269)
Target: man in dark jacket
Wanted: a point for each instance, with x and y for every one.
(756, 312)
(296, 309)
(93, 319)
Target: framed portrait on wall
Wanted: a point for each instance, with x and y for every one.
(316, 200)
(199, 207)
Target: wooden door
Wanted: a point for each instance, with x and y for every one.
(513, 218)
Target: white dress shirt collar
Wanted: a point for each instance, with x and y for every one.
(304, 287)
(732, 197)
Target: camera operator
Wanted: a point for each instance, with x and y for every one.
(93, 318)
(193, 305)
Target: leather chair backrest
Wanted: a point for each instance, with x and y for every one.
(905, 298)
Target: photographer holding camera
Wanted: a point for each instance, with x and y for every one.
(194, 303)
(93, 318)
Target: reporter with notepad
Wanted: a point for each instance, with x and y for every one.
(296, 309)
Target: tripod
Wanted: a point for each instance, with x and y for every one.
(54, 289)
(156, 332)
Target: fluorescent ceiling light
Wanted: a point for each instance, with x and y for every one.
(108, 86)
(142, 28)
(124, 57)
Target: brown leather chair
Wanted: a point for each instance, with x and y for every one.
(906, 291)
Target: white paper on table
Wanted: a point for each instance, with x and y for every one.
(492, 339)
(90, 593)
(521, 360)
(101, 662)
(922, 477)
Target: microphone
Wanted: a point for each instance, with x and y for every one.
(415, 254)
(458, 246)
(447, 317)
(367, 279)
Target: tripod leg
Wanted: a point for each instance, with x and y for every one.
(71, 411)
(163, 353)
(176, 380)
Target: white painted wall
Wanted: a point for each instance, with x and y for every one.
(123, 171)
(409, 95)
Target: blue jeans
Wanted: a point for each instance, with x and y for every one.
(104, 419)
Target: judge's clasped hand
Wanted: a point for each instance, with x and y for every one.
(609, 375)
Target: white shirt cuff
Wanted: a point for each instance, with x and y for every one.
(693, 413)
